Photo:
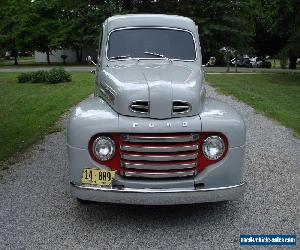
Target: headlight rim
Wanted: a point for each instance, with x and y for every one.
(99, 137)
(224, 148)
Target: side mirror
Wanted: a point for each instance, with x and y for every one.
(90, 60)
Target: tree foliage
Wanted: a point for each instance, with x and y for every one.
(268, 26)
(278, 27)
(11, 37)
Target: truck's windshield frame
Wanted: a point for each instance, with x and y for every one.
(150, 58)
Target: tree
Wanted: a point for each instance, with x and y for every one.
(221, 23)
(40, 26)
(279, 22)
(10, 35)
(82, 22)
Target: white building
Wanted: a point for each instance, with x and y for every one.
(55, 55)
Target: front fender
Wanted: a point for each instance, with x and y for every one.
(218, 116)
(91, 116)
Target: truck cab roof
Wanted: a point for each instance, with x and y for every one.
(150, 20)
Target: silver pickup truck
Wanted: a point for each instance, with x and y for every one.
(149, 135)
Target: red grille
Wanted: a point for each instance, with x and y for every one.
(159, 155)
(174, 155)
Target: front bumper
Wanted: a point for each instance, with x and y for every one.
(157, 196)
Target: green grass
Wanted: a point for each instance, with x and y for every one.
(275, 95)
(30, 62)
(276, 64)
(28, 111)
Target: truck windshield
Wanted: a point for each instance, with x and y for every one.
(133, 43)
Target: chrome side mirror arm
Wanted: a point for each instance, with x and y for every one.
(90, 60)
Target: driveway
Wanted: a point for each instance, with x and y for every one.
(38, 212)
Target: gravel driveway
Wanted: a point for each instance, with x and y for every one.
(37, 211)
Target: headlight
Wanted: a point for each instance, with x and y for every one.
(103, 148)
(213, 147)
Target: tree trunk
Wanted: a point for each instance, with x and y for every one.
(16, 60)
(235, 65)
(48, 56)
(293, 62)
(227, 61)
(14, 54)
(79, 54)
(235, 62)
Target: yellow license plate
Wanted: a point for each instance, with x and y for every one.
(97, 177)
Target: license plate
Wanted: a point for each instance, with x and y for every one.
(97, 177)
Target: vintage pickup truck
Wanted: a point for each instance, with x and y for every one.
(149, 135)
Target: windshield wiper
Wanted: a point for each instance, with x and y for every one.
(157, 55)
(120, 57)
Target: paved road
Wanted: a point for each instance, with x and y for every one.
(209, 70)
(38, 212)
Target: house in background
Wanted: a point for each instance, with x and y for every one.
(55, 55)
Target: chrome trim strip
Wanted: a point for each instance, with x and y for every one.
(157, 196)
(157, 149)
(150, 157)
(139, 106)
(147, 58)
(154, 166)
(180, 107)
(158, 175)
(171, 138)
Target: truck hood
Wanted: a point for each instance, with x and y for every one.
(161, 85)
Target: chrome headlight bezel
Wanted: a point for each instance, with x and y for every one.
(100, 140)
(213, 139)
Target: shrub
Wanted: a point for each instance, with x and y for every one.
(24, 77)
(57, 75)
(39, 76)
(54, 75)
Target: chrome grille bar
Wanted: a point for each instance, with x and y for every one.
(156, 149)
(158, 175)
(159, 166)
(162, 138)
(158, 157)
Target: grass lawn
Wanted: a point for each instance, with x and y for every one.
(29, 62)
(276, 64)
(28, 111)
(275, 95)
(21, 60)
